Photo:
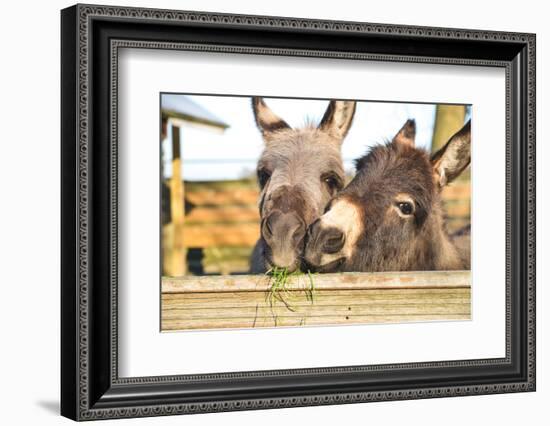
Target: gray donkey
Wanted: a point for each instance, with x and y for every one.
(299, 171)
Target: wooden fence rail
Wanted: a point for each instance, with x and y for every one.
(248, 301)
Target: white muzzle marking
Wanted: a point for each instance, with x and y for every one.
(345, 216)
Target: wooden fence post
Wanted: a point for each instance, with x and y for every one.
(448, 120)
(175, 254)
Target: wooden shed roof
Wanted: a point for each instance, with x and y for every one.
(182, 107)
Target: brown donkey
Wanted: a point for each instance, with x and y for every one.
(390, 216)
(299, 171)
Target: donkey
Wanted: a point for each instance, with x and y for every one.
(390, 216)
(299, 171)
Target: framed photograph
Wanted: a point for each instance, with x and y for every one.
(263, 212)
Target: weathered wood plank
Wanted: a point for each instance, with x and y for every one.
(220, 235)
(457, 191)
(343, 281)
(350, 297)
(177, 325)
(319, 293)
(235, 196)
(281, 310)
(458, 209)
(247, 301)
(223, 214)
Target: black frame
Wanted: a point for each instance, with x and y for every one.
(91, 37)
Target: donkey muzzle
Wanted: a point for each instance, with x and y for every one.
(323, 247)
(284, 234)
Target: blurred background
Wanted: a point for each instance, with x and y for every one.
(209, 149)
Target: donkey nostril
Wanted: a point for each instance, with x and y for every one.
(268, 225)
(299, 234)
(334, 241)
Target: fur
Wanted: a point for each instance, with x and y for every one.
(295, 171)
(388, 239)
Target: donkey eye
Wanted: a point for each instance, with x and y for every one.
(332, 182)
(406, 208)
(263, 177)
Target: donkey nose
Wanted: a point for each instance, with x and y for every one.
(322, 239)
(280, 227)
(333, 240)
(284, 234)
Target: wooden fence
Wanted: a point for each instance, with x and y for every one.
(219, 230)
(457, 203)
(249, 301)
(221, 214)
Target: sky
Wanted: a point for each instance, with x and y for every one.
(210, 155)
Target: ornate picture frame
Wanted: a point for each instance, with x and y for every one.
(91, 37)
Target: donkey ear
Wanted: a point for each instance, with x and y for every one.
(338, 118)
(266, 120)
(407, 134)
(451, 160)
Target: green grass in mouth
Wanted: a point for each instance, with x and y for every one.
(279, 290)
